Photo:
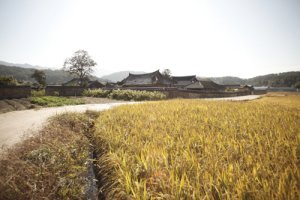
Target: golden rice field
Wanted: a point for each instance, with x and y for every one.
(197, 149)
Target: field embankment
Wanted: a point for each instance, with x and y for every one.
(9, 105)
(194, 149)
(51, 165)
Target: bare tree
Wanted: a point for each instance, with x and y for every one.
(39, 76)
(80, 64)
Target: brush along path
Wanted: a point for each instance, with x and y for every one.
(14, 125)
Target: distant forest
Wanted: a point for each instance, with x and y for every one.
(286, 79)
(53, 77)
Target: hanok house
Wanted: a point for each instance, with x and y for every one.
(193, 83)
(85, 82)
(205, 84)
(154, 79)
(183, 81)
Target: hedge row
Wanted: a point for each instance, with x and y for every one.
(125, 94)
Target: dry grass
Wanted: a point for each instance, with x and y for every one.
(50, 165)
(193, 149)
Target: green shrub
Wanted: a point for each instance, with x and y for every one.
(56, 93)
(52, 101)
(8, 81)
(125, 94)
(136, 95)
(96, 93)
(38, 93)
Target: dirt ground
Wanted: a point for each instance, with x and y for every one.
(9, 105)
(13, 125)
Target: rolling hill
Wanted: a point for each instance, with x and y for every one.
(56, 77)
(285, 79)
(53, 77)
(21, 65)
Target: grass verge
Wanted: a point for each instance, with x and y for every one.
(52, 101)
(51, 165)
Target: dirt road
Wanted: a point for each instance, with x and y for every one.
(238, 98)
(13, 125)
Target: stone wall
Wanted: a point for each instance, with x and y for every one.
(202, 94)
(64, 90)
(14, 92)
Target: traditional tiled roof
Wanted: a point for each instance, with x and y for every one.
(87, 81)
(184, 78)
(205, 84)
(182, 81)
(196, 85)
(75, 82)
(149, 79)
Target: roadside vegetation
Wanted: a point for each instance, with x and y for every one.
(38, 93)
(193, 149)
(38, 97)
(52, 101)
(51, 165)
(126, 95)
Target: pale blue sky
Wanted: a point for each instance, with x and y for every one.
(241, 38)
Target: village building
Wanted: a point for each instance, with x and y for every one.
(205, 84)
(154, 79)
(85, 82)
(183, 81)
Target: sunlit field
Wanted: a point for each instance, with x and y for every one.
(196, 149)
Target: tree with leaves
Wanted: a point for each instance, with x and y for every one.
(80, 65)
(39, 76)
(166, 73)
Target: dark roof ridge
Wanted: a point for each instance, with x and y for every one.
(184, 78)
(192, 76)
(130, 74)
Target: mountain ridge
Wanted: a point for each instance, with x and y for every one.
(284, 79)
(25, 65)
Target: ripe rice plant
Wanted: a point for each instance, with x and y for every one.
(196, 149)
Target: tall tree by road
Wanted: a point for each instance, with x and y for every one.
(80, 65)
(39, 76)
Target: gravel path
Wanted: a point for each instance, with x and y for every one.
(13, 125)
(239, 98)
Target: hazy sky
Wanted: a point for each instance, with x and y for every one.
(205, 37)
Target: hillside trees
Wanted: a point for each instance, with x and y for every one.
(80, 65)
(8, 81)
(39, 76)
